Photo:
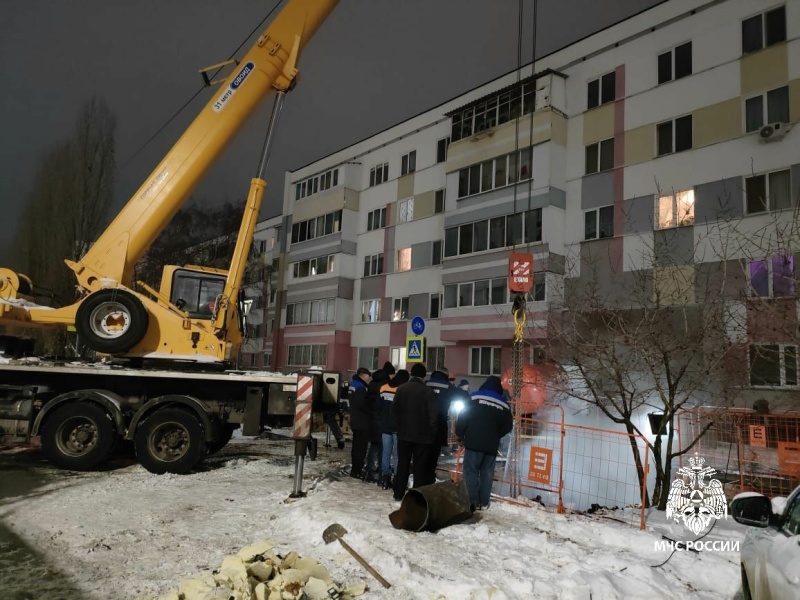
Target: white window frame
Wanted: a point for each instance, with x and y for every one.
(431, 298)
(479, 371)
(768, 208)
(376, 219)
(405, 210)
(371, 311)
(313, 351)
(408, 163)
(600, 145)
(763, 17)
(596, 212)
(379, 174)
(765, 120)
(437, 207)
(403, 260)
(673, 132)
(435, 357)
(781, 366)
(376, 264)
(770, 278)
(674, 201)
(372, 363)
(446, 147)
(397, 308)
(671, 53)
(599, 80)
(437, 257)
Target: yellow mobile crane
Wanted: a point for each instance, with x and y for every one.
(175, 415)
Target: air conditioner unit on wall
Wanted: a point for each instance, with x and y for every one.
(773, 132)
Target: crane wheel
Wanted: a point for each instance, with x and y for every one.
(224, 435)
(111, 321)
(170, 440)
(78, 436)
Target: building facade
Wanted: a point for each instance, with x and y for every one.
(648, 139)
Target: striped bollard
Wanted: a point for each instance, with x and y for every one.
(301, 431)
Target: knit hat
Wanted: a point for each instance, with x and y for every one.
(400, 378)
(363, 371)
(419, 370)
(463, 382)
(389, 368)
(493, 384)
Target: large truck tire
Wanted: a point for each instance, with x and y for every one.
(111, 321)
(170, 440)
(78, 436)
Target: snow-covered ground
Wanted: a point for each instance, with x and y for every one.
(125, 533)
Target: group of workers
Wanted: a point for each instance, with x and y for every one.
(400, 423)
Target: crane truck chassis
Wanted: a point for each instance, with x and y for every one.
(83, 412)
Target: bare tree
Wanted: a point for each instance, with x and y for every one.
(67, 206)
(661, 337)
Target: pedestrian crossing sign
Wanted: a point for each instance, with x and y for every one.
(415, 349)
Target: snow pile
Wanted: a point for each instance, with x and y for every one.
(256, 572)
(124, 533)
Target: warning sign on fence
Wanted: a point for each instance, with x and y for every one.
(789, 459)
(758, 436)
(540, 464)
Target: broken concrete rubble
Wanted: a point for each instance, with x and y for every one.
(256, 572)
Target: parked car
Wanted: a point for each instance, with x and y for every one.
(770, 552)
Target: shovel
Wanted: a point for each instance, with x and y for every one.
(336, 532)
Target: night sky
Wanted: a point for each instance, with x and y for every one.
(373, 63)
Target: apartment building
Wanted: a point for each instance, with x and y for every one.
(649, 135)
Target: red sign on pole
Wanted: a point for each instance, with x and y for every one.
(520, 272)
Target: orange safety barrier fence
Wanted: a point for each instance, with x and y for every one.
(751, 451)
(573, 468)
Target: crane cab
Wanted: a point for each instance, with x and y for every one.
(194, 289)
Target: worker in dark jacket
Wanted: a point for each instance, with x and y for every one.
(480, 427)
(372, 469)
(415, 414)
(389, 369)
(445, 394)
(389, 428)
(360, 420)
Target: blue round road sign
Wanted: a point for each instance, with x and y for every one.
(418, 325)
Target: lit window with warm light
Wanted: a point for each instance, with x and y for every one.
(675, 210)
(403, 260)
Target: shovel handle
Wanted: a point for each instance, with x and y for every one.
(365, 564)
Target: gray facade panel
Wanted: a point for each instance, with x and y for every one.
(553, 197)
(418, 305)
(475, 274)
(723, 199)
(597, 190)
(674, 247)
(421, 255)
(298, 296)
(313, 283)
(795, 185)
(286, 230)
(329, 244)
(639, 214)
(346, 287)
(486, 212)
(372, 287)
(349, 247)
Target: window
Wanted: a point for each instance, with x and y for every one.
(368, 358)
(403, 260)
(484, 292)
(379, 174)
(315, 184)
(674, 136)
(675, 64)
(771, 191)
(436, 254)
(764, 30)
(376, 219)
(371, 311)
(494, 233)
(497, 172)
(772, 107)
(484, 360)
(499, 109)
(538, 292)
(600, 156)
(772, 278)
(405, 210)
(314, 266)
(400, 309)
(436, 306)
(434, 358)
(408, 164)
(317, 227)
(599, 223)
(441, 149)
(438, 202)
(602, 90)
(314, 311)
(308, 355)
(675, 210)
(773, 365)
(373, 265)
